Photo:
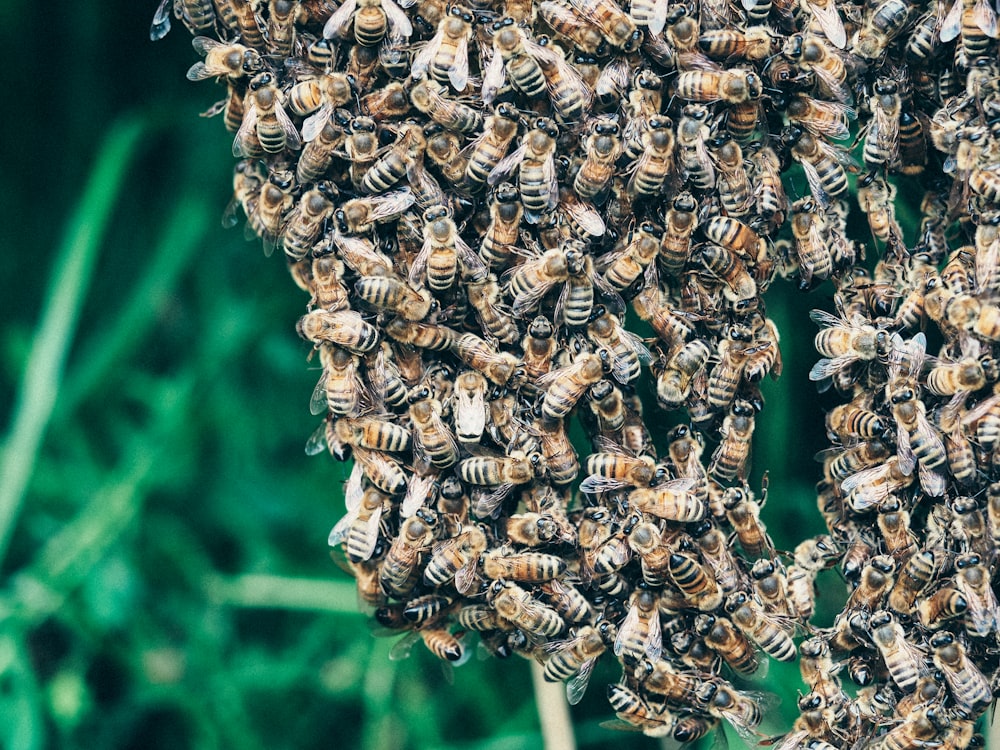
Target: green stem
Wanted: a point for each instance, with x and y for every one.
(74, 266)
(280, 592)
(553, 712)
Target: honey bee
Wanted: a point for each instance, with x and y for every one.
(917, 439)
(768, 576)
(903, 659)
(615, 25)
(318, 154)
(738, 285)
(882, 24)
(673, 384)
(881, 148)
(647, 542)
(197, 15)
(639, 635)
(757, 43)
(922, 726)
(637, 714)
(972, 579)
(358, 530)
(602, 148)
(517, 468)
(400, 563)
(659, 677)
(561, 461)
(567, 22)
(344, 328)
(736, 195)
(747, 613)
(695, 581)
(500, 368)
(655, 162)
(821, 163)
(566, 386)
(681, 221)
(428, 97)
(488, 150)
(305, 222)
(770, 192)
(731, 86)
(976, 22)
(503, 231)
(570, 96)
(242, 19)
(692, 155)
(433, 443)
(671, 500)
(522, 566)
(933, 612)
(234, 61)
(456, 559)
(575, 658)
(446, 56)
(843, 343)
(731, 457)
(969, 687)
(444, 149)
(514, 57)
(265, 122)
(340, 389)
(743, 513)
(360, 215)
(394, 295)
(518, 607)
(444, 253)
(811, 54)
(266, 212)
(608, 471)
(370, 20)
(281, 26)
(823, 119)
(532, 529)
(535, 158)
(725, 377)
(743, 711)
(422, 335)
(728, 641)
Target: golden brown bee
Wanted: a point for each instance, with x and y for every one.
(242, 19)
(607, 407)
(281, 26)
(673, 384)
(566, 21)
(575, 658)
(695, 581)
(358, 530)
(265, 123)
(731, 458)
(627, 351)
(561, 461)
(659, 677)
(535, 161)
(731, 86)
(821, 163)
(843, 343)
(340, 389)
(522, 566)
(902, 658)
(370, 20)
(647, 542)
(500, 367)
(728, 641)
(672, 501)
(446, 56)
(969, 687)
(233, 61)
(723, 701)
(266, 212)
(360, 215)
(917, 439)
(518, 607)
(614, 24)
(400, 563)
(633, 259)
(433, 443)
(344, 328)
(972, 579)
(532, 529)
(469, 406)
(692, 155)
(881, 148)
(769, 584)
(637, 714)
(444, 254)
(655, 161)
(639, 635)
(811, 54)
(747, 613)
(305, 222)
(565, 387)
(602, 147)
(743, 513)
(428, 97)
(882, 24)
(934, 611)
(976, 23)
(395, 295)
(756, 43)
(197, 15)
(487, 151)
(503, 231)
(444, 149)
(422, 335)
(738, 285)
(517, 468)
(736, 196)
(681, 221)
(771, 198)
(456, 559)
(725, 377)
(319, 152)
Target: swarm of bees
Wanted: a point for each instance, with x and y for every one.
(485, 202)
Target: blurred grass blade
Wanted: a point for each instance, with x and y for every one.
(21, 702)
(178, 242)
(281, 592)
(553, 711)
(70, 278)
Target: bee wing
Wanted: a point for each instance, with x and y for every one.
(422, 62)
(485, 503)
(401, 649)
(204, 44)
(827, 368)
(292, 140)
(830, 22)
(630, 623)
(317, 402)
(527, 301)
(425, 184)
(868, 490)
(199, 72)
(584, 213)
(507, 165)
(577, 685)
(418, 490)
(988, 268)
(596, 484)
(614, 79)
(419, 266)
(339, 532)
(398, 22)
(986, 18)
(980, 410)
(493, 78)
(247, 134)
(370, 535)
(337, 25)
(161, 22)
(815, 184)
(654, 639)
(655, 20)
(316, 443)
(550, 179)
(472, 264)
(466, 578)
(458, 73)
(637, 345)
(314, 123)
(390, 204)
(835, 122)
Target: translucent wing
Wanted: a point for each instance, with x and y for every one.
(458, 73)
(507, 165)
(246, 137)
(316, 443)
(338, 24)
(576, 686)
(314, 123)
(292, 140)
(161, 21)
(398, 22)
(317, 402)
(830, 22)
(493, 78)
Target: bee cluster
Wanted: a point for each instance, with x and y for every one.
(476, 196)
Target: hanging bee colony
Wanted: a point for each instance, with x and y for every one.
(476, 196)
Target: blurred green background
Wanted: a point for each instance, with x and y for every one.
(165, 577)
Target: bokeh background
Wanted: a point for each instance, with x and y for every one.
(164, 576)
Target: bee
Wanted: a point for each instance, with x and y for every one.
(514, 55)
(451, 114)
(695, 581)
(522, 566)
(518, 607)
(875, 582)
(894, 523)
(692, 155)
(743, 711)
(241, 18)
(655, 163)
(843, 343)
(361, 147)
(428, 336)
(969, 687)
(637, 714)
(728, 641)
(319, 151)
(197, 15)
(444, 148)
(673, 384)
(731, 86)
(822, 119)
(234, 61)
(821, 163)
(738, 284)
(502, 234)
(659, 677)
(370, 20)
(566, 21)
(561, 461)
(725, 377)
(757, 43)
(444, 253)
(921, 727)
(608, 471)
(565, 387)
(615, 25)
(768, 576)
(446, 56)
(770, 192)
(489, 149)
(639, 635)
(811, 54)
(950, 378)
(400, 563)
(881, 148)
(404, 159)
(358, 530)
(500, 368)
(427, 610)
(340, 389)
(266, 212)
(671, 500)
(903, 659)
(265, 122)
(747, 613)
(397, 296)
(680, 222)
(456, 559)
(736, 195)
(517, 468)
(532, 529)
(976, 22)
(882, 24)
(433, 443)
(607, 407)
(360, 215)
(575, 658)
(972, 579)
(743, 513)
(646, 541)
(281, 26)
(570, 96)
(469, 409)
(344, 328)
(306, 220)
(627, 351)
(730, 459)
(537, 174)
(876, 198)
(917, 439)
(934, 611)
(602, 148)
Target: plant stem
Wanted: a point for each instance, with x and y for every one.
(553, 711)
(71, 274)
(280, 592)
